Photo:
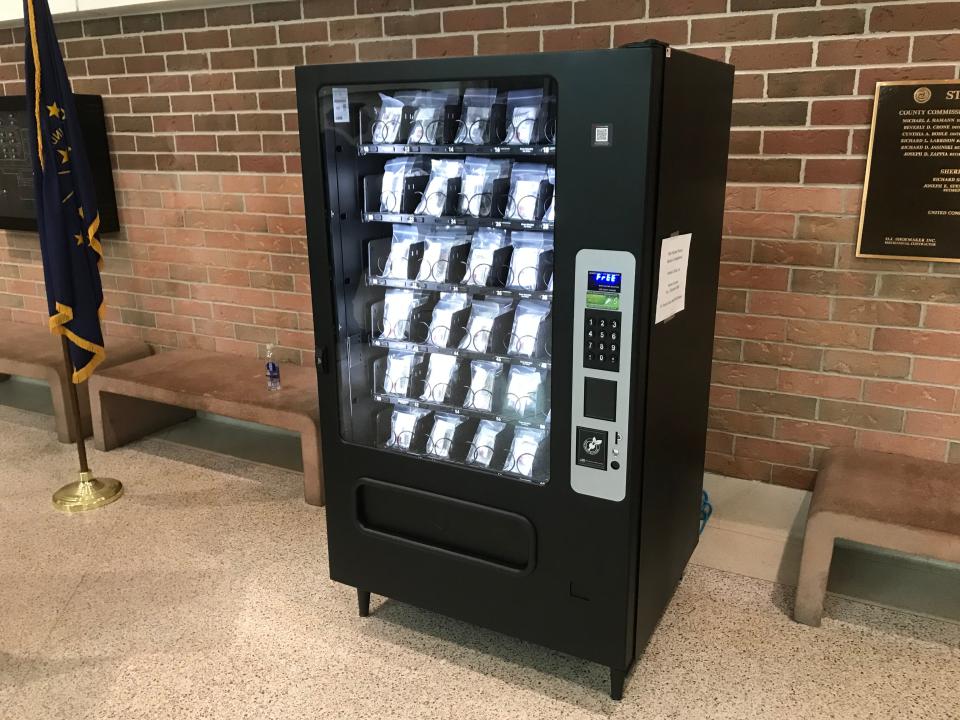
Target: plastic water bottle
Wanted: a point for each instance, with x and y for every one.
(273, 371)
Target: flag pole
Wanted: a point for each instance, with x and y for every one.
(88, 492)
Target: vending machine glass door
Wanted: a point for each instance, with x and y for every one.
(443, 207)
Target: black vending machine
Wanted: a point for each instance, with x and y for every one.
(513, 391)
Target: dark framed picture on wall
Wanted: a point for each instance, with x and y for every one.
(911, 194)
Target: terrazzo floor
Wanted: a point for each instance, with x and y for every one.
(203, 593)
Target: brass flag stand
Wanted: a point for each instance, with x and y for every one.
(88, 492)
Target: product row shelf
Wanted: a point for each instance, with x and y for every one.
(422, 347)
(539, 151)
(487, 263)
(518, 196)
(465, 411)
(516, 122)
(494, 328)
(480, 388)
(470, 223)
(484, 290)
(513, 451)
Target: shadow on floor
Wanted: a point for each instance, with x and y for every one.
(19, 670)
(275, 483)
(256, 443)
(518, 663)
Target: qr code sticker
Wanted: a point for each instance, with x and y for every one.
(601, 134)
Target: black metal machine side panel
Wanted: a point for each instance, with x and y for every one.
(17, 209)
(578, 596)
(695, 133)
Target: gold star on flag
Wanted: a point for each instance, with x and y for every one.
(80, 210)
(79, 239)
(64, 156)
(54, 110)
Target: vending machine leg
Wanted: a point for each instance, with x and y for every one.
(617, 678)
(363, 602)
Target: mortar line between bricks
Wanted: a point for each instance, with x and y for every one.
(745, 42)
(835, 374)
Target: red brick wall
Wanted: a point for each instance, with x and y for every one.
(814, 347)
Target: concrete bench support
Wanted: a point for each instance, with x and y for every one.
(148, 395)
(124, 419)
(880, 499)
(32, 351)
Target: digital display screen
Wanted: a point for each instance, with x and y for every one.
(603, 281)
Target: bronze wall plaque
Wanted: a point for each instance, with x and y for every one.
(911, 194)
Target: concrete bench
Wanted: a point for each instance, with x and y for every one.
(880, 499)
(32, 351)
(142, 397)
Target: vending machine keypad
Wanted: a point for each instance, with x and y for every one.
(601, 339)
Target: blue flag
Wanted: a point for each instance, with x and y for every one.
(67, 214)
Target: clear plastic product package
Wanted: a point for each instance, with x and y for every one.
(523, 450)
(475, 116)
(440, 442)
(527, 324)
(550, 215)
(485, 242)
(430, 106)
(438, 244)
(482, 315)
(398, 261)
(441, 322)
(476, 190)
(459, 299)
(484, 441)
(525, 272)
(440, 370)
(398, 307)
(396, 379)
(525, 179)
(524, 385)
(523, 109)
(403, 426)
(434, 199)
(483, 381)
(387, 125)
(395, 172)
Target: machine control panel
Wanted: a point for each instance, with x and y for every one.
(603, 317)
